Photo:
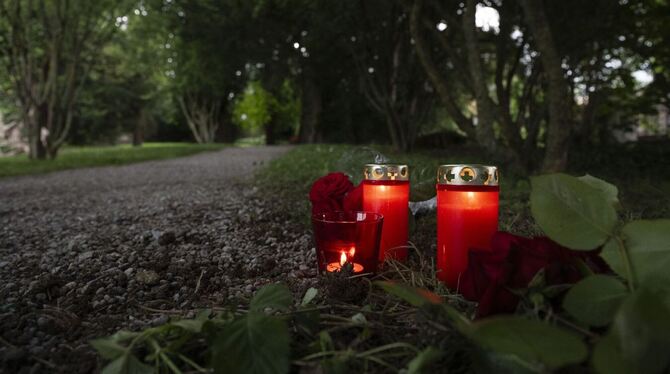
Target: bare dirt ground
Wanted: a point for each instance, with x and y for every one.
(86, 252)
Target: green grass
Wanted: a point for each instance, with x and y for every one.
(644, 189)
(79, 157)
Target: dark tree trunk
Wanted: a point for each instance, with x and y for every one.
(140, 126)
(35, 119)
(311, 108)
(485, 107)
(560, 119)
(270, 138)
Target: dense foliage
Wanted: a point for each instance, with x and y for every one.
(522, 79)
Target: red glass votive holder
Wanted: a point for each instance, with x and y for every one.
(347, 240)
(386, 191)
(467, 216)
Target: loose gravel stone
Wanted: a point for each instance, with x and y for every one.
(87, 252)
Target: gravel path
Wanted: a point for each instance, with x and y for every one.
(86, 252)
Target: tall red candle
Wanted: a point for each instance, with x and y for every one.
(386, 191)
(467, 216)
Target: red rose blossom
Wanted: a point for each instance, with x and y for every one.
(512, 263)
(353, 201)
(327, 193)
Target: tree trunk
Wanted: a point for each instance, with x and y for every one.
(485, 106)
(140, 125)
(270, 138)
(560, 119)
(440, 83)
(311, 107)
(36, 147)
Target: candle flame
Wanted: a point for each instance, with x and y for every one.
(343, 259)
(471, 195)
(352, 252)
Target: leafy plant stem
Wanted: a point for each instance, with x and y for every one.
(192, 363)
(626, 260)
(382, 362)
(387, 347)
(571, 325)
(170, 364)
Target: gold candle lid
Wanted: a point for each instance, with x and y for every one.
(386, 172)
(468, 175)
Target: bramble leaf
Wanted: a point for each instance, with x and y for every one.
(610, 190)
(571, 211)
(595, 299)
(255, 343)
(534, 342)
(108, 348)
(275, 296)
(647, 244)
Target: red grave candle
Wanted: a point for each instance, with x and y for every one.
(467, 216)
(386, 191)
(347, 239)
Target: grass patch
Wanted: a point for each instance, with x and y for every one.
(80, 157)
(640, 171)
(290, 177)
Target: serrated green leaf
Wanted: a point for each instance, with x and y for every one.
(127, 364)
(610, 190)
(253, 344)
(192, 325)
(108, 348)
(422, 362)
(642, 328)
(595, 299)
(647, 244)
(123, 335)
(310, 294)
(275, 296)
(536, 343)
(571, 212)
(612, 256)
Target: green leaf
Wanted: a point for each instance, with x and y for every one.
(642, 328)
(612, 256)
(256, 343)
(123, 335)
(607, 357)
(127, 364)
(275, 296)
(422, 362)
(647, 245)
(534, 342)
(572, 212)
(595, 299)
(108, 348)
(192, 325)
(310, 294)
(610, 190)
(326, 342)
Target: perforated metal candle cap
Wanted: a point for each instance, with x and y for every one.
(468, 175)
(386, 172)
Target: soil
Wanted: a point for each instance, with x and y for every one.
(84, 253)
